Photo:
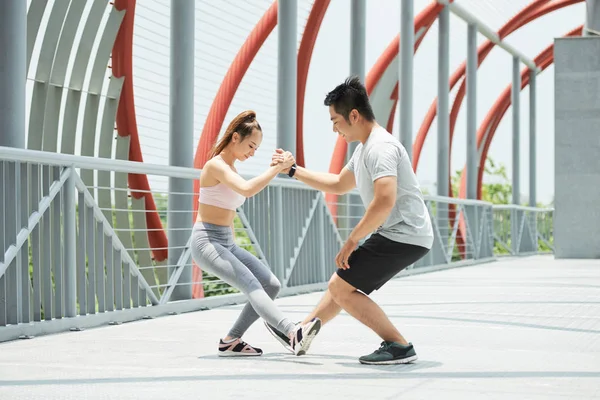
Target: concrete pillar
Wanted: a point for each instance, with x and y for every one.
(358, 15)
(443, 126)
(407, 40)
(592, 18)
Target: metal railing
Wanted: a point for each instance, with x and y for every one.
(520, 230)
(75, 244)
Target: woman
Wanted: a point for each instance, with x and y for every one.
(222, 191)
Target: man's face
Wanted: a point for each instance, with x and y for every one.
(343, 127)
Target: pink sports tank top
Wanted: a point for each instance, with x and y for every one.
(221, 196)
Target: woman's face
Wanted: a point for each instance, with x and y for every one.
(244, 148)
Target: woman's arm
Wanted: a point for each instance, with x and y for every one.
(246, 188)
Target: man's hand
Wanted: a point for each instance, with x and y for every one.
(341, 260)
(283, 158)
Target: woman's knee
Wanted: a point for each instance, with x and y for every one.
(273, 287)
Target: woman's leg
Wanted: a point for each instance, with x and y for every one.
(265, 277)
(219, 261)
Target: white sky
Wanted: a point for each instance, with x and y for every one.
(222, 27)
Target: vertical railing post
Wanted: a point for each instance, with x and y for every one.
(514, 230)
(516, 148)
(472, 211)
(279, 267)
(70, 245)
(10, 275)
(516, 129)
(532, 141)
(321, 242)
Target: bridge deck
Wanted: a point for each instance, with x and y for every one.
(512, 329)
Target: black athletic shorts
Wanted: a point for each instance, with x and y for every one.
(377, 261)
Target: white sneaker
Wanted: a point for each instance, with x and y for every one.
(303, 336)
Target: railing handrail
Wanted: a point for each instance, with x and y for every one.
(520, 208)
(134, 167)
(457, 200)
(110, 164)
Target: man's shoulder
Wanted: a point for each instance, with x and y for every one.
(383, 144)
(380, 136)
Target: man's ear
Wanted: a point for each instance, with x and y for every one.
(354, 115)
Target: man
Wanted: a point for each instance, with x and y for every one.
(396, 216)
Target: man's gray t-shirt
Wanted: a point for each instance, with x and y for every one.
(383, 155)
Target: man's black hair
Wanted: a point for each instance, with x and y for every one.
(348, 96)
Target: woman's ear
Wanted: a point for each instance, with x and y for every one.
(235, 137)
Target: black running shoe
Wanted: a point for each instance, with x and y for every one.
(281, 337)
(390, 353)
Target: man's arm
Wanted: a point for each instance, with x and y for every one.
(326, 182)
(384, 198)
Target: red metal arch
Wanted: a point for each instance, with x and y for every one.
(495, 115)
(530, 13)
(533, 11)
(309, 38)
(122, 66)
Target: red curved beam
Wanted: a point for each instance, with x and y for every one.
(311, 30)
(495, 115)
(423, 21)
(122, 66)
(533, 11)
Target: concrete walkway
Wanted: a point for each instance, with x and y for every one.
(513, 329)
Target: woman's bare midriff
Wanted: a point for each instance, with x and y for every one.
(215, 215)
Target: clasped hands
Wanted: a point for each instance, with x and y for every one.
(282, 159)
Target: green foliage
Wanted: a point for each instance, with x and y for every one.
(498, 191)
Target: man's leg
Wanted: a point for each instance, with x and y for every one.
(361, 307)
(326, 309)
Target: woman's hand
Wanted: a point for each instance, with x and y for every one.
(283, 159)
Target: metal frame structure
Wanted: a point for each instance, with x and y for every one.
(103, 235)
(105, 280)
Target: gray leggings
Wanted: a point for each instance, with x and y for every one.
(215, 251)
